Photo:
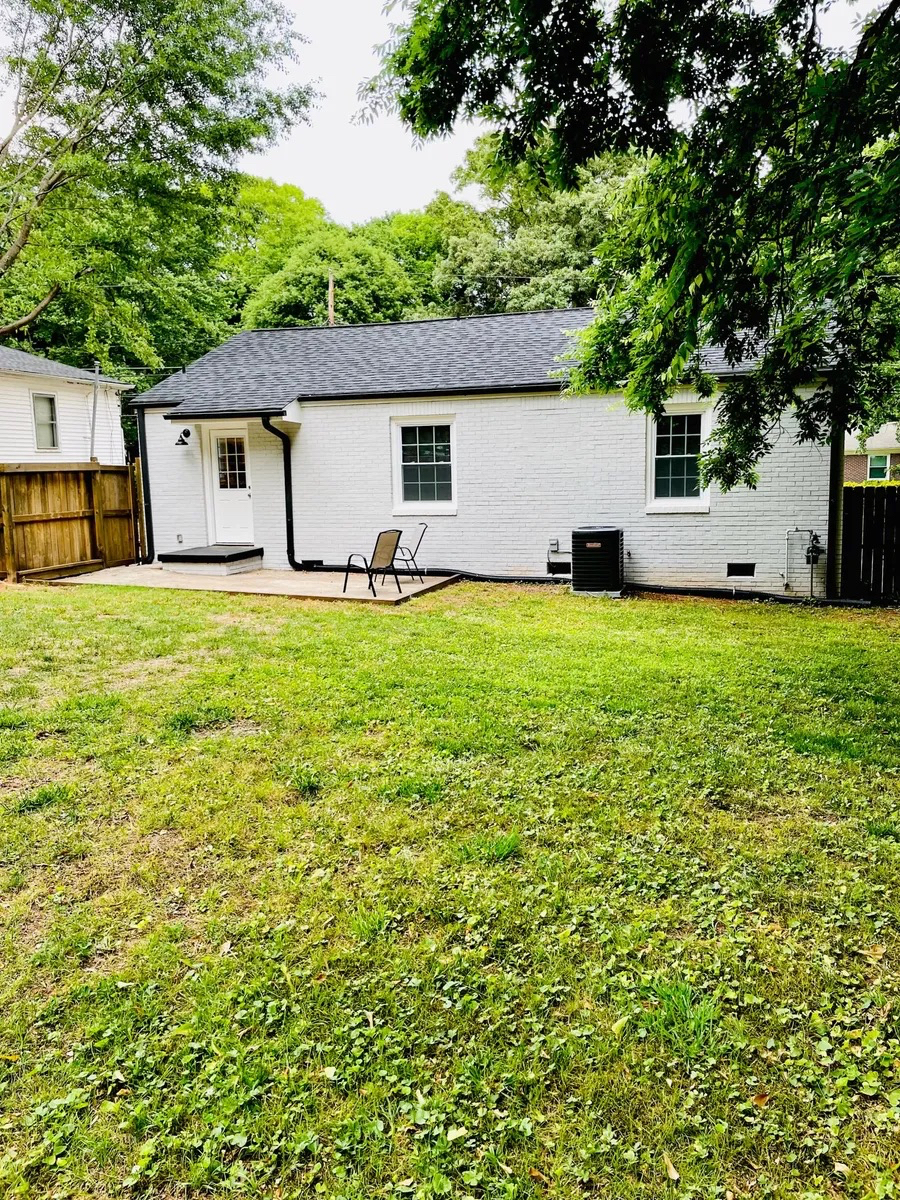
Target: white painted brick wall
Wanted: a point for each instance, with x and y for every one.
(177, 494)
(74, 404)
(528, 469)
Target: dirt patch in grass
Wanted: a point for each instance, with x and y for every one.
(50, 771)
(239, 728)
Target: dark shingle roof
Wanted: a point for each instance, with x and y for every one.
(262, 371)
(22, 363)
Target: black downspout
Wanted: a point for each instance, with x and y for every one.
(288, 489)
(835, 507)
(149, 550)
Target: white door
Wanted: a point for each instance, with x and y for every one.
(230, 483)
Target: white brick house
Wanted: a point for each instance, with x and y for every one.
(46, 410)
(462, 424)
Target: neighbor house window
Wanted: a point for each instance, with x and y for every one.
(878, 466)
(676, 473)
(46, 434)
(426, 463)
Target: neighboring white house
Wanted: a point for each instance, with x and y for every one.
(461, 423)
(46, 409)
(879, 460)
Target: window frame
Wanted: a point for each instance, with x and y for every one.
(677, 504)
(887, 466)
(34, 423)
(426, 508)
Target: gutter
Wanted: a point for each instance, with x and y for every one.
(288, 487)
(229, 415)
(149, 554)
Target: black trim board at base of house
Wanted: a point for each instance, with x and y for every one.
(631, 590)
(211, 554)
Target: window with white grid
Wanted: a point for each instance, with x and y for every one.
(232, 463)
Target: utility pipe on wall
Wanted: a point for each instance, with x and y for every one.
(813, 543)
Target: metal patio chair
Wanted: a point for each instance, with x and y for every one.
(408, 557)
(382, 559)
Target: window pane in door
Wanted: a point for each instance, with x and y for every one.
(232, 463)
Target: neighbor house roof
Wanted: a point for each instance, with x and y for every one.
(20, 362)
(262, 371)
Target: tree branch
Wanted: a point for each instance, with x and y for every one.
(21, 322)
(51, 181)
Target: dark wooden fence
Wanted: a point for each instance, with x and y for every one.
(62, 519)
(870, 544)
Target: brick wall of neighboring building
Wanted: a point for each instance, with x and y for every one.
(856, 468)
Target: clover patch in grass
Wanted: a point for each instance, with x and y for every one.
(486, 849)
(43, 797)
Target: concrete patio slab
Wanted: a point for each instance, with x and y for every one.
(302, 585)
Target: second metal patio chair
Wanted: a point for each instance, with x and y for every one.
(382, 560)
(408, 557)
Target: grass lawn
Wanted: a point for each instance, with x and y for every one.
(502, 893)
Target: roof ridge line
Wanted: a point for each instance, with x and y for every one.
(525, 312)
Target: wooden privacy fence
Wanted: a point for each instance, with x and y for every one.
(870, 544)
(62, 519)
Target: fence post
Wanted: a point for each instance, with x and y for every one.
(9, 529)
(136, 494)
(97, 505)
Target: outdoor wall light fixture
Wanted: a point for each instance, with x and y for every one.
(183, 438)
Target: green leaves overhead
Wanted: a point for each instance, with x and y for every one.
(764, 219)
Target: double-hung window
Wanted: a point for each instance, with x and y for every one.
(878, 466)
(424, 467)
(675, 441)
(678, 441)
(46, 433)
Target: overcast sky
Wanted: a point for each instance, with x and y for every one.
(357, 170)
(361, 171)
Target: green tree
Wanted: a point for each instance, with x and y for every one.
(155, 293)
(765, 217)
(369, 283)
(419, 242)
(262, 226)
(137, 103)
(535, 246)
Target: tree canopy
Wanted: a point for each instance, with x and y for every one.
(764, 217)
(534, 246)
(124, 114)
(369, 283)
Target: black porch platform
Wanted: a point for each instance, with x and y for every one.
(211, 554)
